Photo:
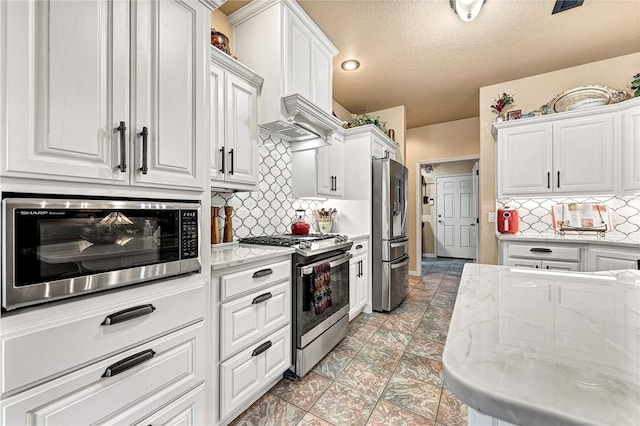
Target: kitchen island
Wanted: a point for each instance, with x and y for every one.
(534, 347)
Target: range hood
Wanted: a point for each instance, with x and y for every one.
(306, 126)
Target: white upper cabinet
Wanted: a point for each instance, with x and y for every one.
(234, 124)
(319, 172)
(277, 39)
(631, 147)
(583, 154)
(571, 153)
(70, 86)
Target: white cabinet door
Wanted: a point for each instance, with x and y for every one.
(583, 154)
(298, 48)
(324, 176)
(631, 149)
(363, 283)
(322, 78)
(66, 89)
(330, 167)
(217, 120)
(337, 164)
(611, 259)
(354, 310)
(241, 130)
(170, 98)
(559, 265)
(525, 159)
(188, 410)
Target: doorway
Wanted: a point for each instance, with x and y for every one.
(428, 204)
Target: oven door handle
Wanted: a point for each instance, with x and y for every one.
(332, 261)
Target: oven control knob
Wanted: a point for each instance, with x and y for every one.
(305, 245)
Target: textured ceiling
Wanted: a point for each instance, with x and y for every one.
(421, 55)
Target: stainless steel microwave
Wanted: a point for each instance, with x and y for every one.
(59, 248)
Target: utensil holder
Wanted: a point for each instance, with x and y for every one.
(325, 227)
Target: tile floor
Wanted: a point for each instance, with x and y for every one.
(387, 371)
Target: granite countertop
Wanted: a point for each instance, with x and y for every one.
(546, 347)
(237, 254)
(609, 238)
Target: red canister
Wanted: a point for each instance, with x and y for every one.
(508, 220)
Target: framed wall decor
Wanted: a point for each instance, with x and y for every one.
(514, 115)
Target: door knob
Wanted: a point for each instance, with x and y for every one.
(440, 221)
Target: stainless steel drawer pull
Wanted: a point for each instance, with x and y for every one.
(261, 298)
(122, 128)
(540, 250)
(128, 314)
(263, 347)
(262, 273)
(128, 363)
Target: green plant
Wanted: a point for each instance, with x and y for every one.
(635, 85)
(364, 119)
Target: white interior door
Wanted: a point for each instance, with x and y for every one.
(456, 216)
(474, 226)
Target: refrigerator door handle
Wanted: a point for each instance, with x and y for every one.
(399, 244)
(403, 261)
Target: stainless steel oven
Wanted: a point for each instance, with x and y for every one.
(59, 248)
(321, 317)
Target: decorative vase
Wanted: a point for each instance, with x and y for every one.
(500, 117)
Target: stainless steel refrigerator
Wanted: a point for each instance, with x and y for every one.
(390, 244)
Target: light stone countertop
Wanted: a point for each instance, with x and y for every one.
(357, 237)
(536, 347)
(614, 239)
(239, 254)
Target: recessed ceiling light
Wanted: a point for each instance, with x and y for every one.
(350, 65)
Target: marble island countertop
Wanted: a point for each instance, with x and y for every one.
(610, 238)
(546, 347)
(237, 254)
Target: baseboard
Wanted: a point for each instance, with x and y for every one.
(414, 274)
(428, 255)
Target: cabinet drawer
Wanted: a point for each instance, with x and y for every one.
(188, 410)
(360, 248)
(246, 320)
(246, 375)
(86, 397)
(251, 279)
(544, 251)
(78, 339)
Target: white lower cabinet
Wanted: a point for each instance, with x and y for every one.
(121, 389)
(587, 257)
(188, 410)
(613, 258)
(254, 337)
(358, 278)
(253, 370)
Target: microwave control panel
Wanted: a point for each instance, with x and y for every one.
(189, 230)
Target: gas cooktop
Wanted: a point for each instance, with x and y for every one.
(306, 245)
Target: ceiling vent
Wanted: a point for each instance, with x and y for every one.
(562, 5)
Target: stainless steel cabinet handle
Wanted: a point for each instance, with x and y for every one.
(231, 155)
(145, 133)
(122, 128)
(263, 347)
(222, 152)
(128, 314)
(261, 298)
(128, 363)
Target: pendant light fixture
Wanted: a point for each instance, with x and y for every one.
(467, 10)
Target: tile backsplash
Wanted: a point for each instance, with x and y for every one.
(269, 210)
(535, 213)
